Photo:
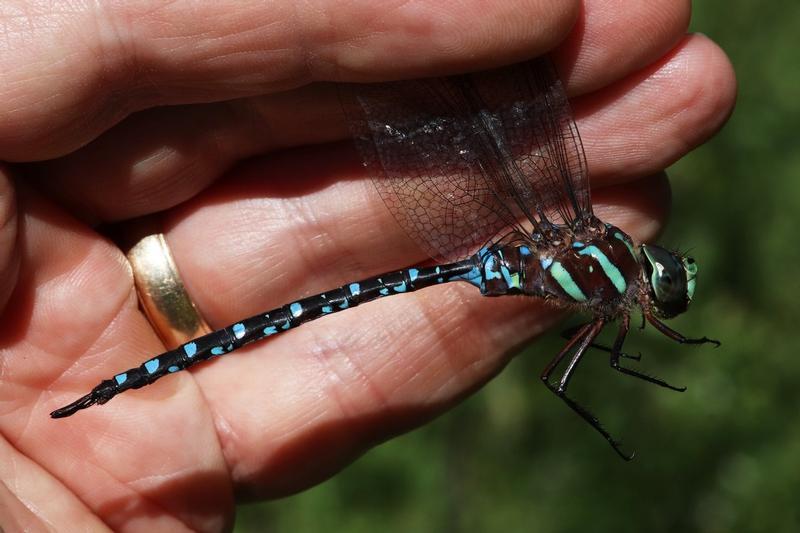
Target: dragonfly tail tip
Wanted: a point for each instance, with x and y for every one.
(74, 407)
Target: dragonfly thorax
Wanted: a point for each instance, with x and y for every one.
(598, 269)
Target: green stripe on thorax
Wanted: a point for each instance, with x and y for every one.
(564, 279)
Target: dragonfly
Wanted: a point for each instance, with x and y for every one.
(486, 172)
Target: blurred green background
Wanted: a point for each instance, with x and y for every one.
(723, 456)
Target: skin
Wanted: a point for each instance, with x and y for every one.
(88, 140)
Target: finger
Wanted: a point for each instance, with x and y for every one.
(660, 112)
(75, 320)
(652, 119)
(318, 396)
(613, 39)
(160, 157)
(120, 57)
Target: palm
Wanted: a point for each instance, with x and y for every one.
(286, 413)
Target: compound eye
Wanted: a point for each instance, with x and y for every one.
(665, 288)
(668, 280)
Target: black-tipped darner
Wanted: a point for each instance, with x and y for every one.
(492, 162)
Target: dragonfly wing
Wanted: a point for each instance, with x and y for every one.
(530, 101)
(460, 160)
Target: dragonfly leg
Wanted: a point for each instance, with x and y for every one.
(583, 339)
(616, 354)
(674, 335)
(548, 370)
(572, 331)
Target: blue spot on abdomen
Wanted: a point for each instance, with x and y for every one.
(296, 309)
(190, 349)
(151, 365)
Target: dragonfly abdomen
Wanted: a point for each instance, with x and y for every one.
(272, 322)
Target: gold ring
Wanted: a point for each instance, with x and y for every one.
(162, 294)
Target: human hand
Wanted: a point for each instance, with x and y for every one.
(89, 89)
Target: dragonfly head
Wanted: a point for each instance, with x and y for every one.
(670, 279)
